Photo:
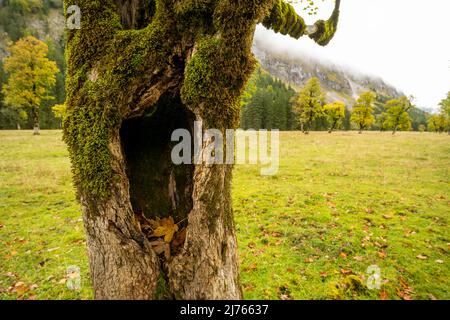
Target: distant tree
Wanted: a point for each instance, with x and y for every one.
(362, 113)
(397, 116)
(266, 103)
(422, 128)
(437, 123)
(308, 104)
(59, 111)
(346, 122)
(381, 121)
(335, 113)
(30, 76)
(445, 110)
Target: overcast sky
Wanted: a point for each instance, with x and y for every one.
(405, 42)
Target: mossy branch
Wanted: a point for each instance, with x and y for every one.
(323, 31)
(283, 19)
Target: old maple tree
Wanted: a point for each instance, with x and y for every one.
(137, 70)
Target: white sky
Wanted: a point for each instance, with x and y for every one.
(405, 42)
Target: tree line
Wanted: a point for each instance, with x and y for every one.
(31, 96)
(268, 103)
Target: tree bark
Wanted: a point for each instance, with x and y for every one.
(394, 131)
(36, 121)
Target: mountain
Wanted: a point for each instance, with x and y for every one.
(338, 82)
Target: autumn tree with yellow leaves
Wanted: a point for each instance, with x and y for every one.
(31, 75)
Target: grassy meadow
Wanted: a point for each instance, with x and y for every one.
(340, 203)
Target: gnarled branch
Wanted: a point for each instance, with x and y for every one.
(283, 19)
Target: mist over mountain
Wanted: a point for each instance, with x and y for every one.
(338, 82)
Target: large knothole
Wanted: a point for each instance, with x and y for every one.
(159, 189)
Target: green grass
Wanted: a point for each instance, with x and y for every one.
(339, 204)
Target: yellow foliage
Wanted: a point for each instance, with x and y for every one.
(165, 227)
(30, 73)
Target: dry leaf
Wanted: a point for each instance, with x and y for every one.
(346, 272)
(19, 287)
(277, 234)
(166, 228)
(34, 286)
(158, 246)
(422, 257)
(431, 297)
(167, 252)
(343, 255)
(439, 261)
(252, 267)
(382, 254)
(179, 238)
(49, 278)
(403, 295)
(384, 295)
(358, 258)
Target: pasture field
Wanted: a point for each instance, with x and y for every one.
(339, 204)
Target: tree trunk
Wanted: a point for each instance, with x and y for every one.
(395, 131)
(36, 121)
(332, 127)
(127, 91)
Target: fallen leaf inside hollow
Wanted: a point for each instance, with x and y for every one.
(166, 228)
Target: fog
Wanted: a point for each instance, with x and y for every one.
(405, 42)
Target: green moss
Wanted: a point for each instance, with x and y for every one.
(283, 19)
(325, 30)
(99, 67)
